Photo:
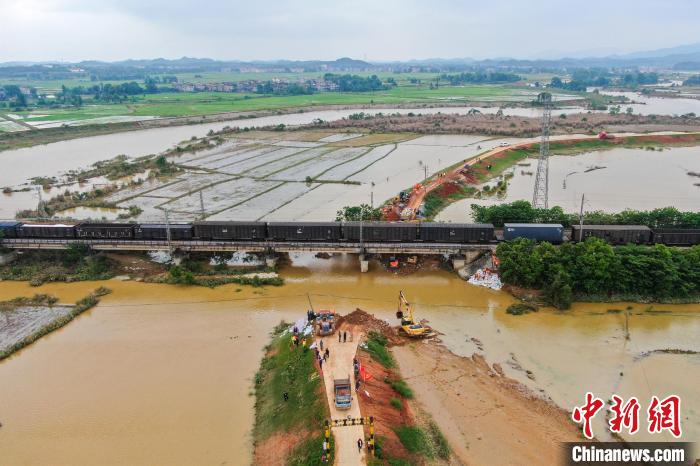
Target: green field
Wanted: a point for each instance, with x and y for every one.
(172, 104)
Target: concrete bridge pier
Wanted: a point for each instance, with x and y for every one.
(271, 260)
(364, 264)
(458, 262)
(178, 256)
(6, 258)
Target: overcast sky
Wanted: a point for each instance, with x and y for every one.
(74, 30)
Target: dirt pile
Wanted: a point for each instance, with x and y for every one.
(369, 323)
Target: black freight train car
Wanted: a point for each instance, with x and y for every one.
(159, 231)
(552, 232)
(304, 231)
(456, 232)
(8, 229)
(676, 236)
(104, 231)
(613, 234)
(380, 231)
(46, 230)
(231, 231)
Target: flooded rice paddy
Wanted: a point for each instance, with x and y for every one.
(279, 179)
(159, 373)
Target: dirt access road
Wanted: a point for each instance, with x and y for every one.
(339, 366)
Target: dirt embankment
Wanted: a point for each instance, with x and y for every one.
(509, 125)
(479, 409)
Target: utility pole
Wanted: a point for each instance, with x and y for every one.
(539, 197)
(371, 199)
(201, 204)
(627, 324)
(167, 232)
(425, 172)
(580, 219)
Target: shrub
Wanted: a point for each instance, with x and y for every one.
(396, 403)
(402, 388)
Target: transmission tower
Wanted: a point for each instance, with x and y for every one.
(539, 198)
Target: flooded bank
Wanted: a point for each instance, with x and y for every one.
(159, 373)
(612, 180)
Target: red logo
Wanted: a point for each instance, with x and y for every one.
(661, 415)
(624, 416)
(665, 415)
(587, 412)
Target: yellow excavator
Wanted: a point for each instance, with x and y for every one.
(410, 327)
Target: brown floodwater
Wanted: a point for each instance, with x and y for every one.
(162, 374)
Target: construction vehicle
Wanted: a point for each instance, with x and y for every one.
(409, 326)
(342, 393)
(325, 322)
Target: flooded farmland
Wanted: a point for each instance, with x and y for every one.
(164, 372)
(652, 105)
(59, 157)
(612, 180)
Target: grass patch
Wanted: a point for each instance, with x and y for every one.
(428, 442)
(415, 440)
(441, 447)
(396, 403)
(286, 368)
(402, 388)
(519, 309)
(70, 265)
(435, 202)
(376, 347)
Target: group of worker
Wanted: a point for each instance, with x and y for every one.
(343, 336)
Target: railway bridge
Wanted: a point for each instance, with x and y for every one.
(460, 253)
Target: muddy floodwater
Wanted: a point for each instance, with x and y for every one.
(159, 374)
(612, 180)
(59, 157)
(646, 105)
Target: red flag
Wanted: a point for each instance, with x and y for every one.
(364, 376)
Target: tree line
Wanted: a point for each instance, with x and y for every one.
(480, 77)
(356, 83)
(584, 78)
(524, 212)
(595, 269)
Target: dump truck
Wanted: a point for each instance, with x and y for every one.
(342, 393)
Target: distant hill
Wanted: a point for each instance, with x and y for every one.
(683, 57)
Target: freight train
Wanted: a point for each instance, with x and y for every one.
(399, 232)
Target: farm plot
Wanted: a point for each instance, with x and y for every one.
(228, 147)
(220, 196)
(298, 144)
(145, 187)
(265, 204)
(148, 205)
(189, 182)
(242, 162)
(319, 165)
(11, 126)
(354, 166)
(263, 171)
(340, 137)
